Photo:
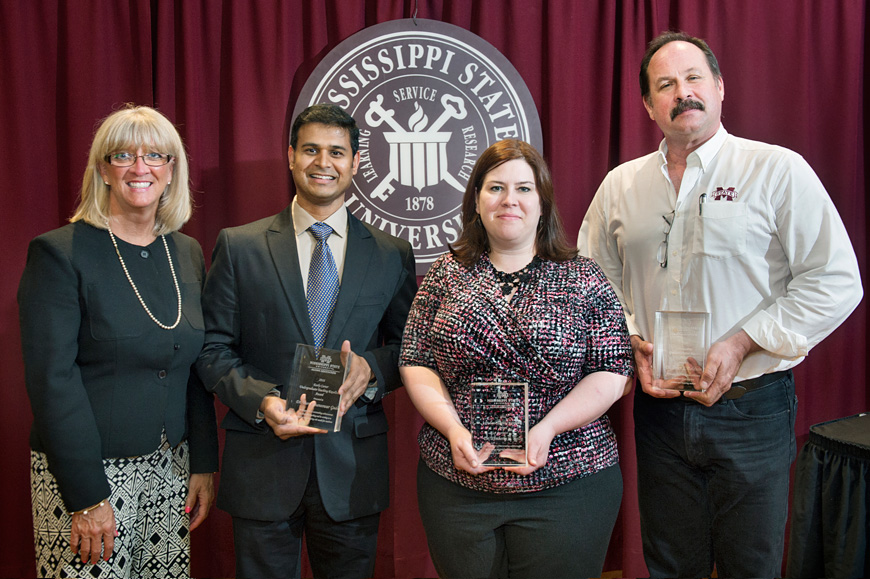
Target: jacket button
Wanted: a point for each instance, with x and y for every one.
(161, 374)
(176, 346)
(144, 254)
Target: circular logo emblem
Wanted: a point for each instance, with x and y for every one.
(429, 98)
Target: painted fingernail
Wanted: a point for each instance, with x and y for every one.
(187, 510)
(117, 534)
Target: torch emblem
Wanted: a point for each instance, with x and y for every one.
(418, 156)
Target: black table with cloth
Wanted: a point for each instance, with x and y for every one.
(831, 499)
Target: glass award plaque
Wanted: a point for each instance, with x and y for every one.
(500, 416)
(319, 376)
(680, 346)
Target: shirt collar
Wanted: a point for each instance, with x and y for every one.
(705, 153)
(302, 220)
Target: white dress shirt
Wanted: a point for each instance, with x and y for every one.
(756, 241)
(337, 242)
(305, 241)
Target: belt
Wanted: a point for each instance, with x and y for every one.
(738, 389)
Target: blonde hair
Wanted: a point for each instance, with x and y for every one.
(127, 130)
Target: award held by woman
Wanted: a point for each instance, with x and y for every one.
(680, 346)
(319, 375)
(500, 417)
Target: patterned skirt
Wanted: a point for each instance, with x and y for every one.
(147, 493)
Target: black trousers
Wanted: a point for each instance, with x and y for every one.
(336, 549)
(558, 532)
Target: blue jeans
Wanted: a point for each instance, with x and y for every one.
(713, 482)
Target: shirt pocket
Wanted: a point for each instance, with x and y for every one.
(109, 313)
(721, 230)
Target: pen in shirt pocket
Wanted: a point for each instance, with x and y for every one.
(701, 202)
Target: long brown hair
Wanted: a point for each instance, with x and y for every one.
(551, 243)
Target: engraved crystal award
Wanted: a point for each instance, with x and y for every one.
(500, 416)
(680, 346)
(319, 376)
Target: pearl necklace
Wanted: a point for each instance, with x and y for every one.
(136, 290)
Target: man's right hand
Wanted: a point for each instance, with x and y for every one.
(288, 423)
(643, 353)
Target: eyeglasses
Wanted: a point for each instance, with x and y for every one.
(124, 159)
(666, 229)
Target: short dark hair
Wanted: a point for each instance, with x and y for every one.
(330, 115)
(665, 38)
(551, 243)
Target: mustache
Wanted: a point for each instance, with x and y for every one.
(686, 105)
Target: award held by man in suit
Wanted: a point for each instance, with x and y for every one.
(317, 375)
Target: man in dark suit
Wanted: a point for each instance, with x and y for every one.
(282, 478)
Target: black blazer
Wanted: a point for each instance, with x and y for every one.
(103, 379)
(255, 315)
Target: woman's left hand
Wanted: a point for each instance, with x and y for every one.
(540, 437)
(200, 496)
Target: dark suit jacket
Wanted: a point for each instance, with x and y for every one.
(103, 379)
(255, 315)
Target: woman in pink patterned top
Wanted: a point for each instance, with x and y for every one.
(513, 302)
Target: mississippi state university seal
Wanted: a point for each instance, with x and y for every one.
(429, 98)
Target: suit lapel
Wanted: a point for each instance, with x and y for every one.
(360, 246)
(281, 239)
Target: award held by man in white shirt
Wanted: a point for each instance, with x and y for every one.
(680, 346)
(318, 375)
(500, 419)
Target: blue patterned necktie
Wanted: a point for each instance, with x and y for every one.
(322, 284)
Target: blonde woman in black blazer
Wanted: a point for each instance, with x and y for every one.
(110, 325)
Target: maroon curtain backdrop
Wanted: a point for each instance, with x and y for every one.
(227, 72)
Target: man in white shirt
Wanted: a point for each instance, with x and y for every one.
(745, 231)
